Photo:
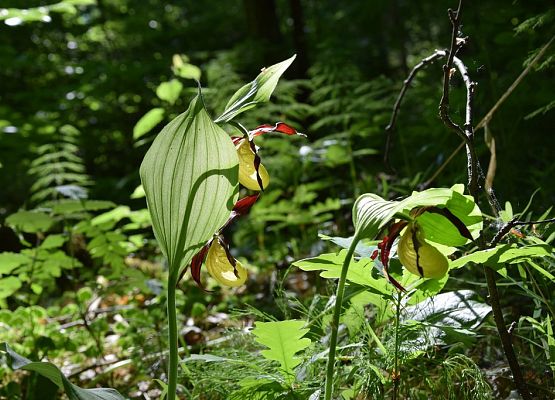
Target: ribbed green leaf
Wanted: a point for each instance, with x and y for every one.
(258, 91)
(52, 372)
(284, 339)
(190, 178)
(371, 213)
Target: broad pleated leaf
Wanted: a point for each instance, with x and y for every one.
(258, 91)
(284, 339)
(371, 213)
(52, 372)
(190, 178)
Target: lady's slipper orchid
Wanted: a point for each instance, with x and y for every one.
(216, 255)
(223, 267)
(415, 253)
(252, 174)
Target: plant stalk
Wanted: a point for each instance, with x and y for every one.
(335, 321)
(396, 376)
(173, 343)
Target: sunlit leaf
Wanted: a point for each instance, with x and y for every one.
(30, 221)
(50, 371)
(148, 122)
(10, 261)
(190, 178)
(284, 339)
(371, 213)
(258, 91)
(504, 254)
(169, 91)
(9, 286)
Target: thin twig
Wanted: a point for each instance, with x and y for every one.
(485, 120)
(511, 224)
(467, 134)
(390, 128)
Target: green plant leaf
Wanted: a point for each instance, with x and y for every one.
(359, 272)
(190, 178)
(9, 286)
(284, 339)
(169, 91)
(504, 254)
(30, 221)
(10, 261)
(74, 206)
(256, 92)
(52, 372)
(148, 122)
(371, 213)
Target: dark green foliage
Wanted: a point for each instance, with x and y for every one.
(82, 279)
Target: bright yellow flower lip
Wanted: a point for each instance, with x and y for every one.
(247, 168)
(420, 257)
(220, 267)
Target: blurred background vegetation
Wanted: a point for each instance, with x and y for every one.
(77, 75)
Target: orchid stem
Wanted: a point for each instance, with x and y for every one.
(335, 321)
(172, 333)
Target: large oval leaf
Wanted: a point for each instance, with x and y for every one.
(190, 178)
(371, 213)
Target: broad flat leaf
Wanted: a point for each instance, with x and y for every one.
(504, 254)
(258, 91)
(30, 221)
(371, 213)
(53, 241)
(169, 91)
(359, 272)
(190, 178)
(52, 372)
(9, 286)
(10, 261)
(284, 339)
(75, 206)
(148, 122)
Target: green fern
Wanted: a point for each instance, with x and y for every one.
(59, 171)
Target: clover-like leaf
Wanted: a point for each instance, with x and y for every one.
(190, 178)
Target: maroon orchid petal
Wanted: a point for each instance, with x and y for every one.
(230, 258)
(385, 248)
(280, 127)
(196, 263)
(236, 139)
(243, 206)
(256, 165)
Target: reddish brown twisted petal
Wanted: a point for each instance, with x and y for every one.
(280, 127)
(230, 258)
(256, 165)
(243, 206)
(196, 264)
(385, 248)
(236, 139)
